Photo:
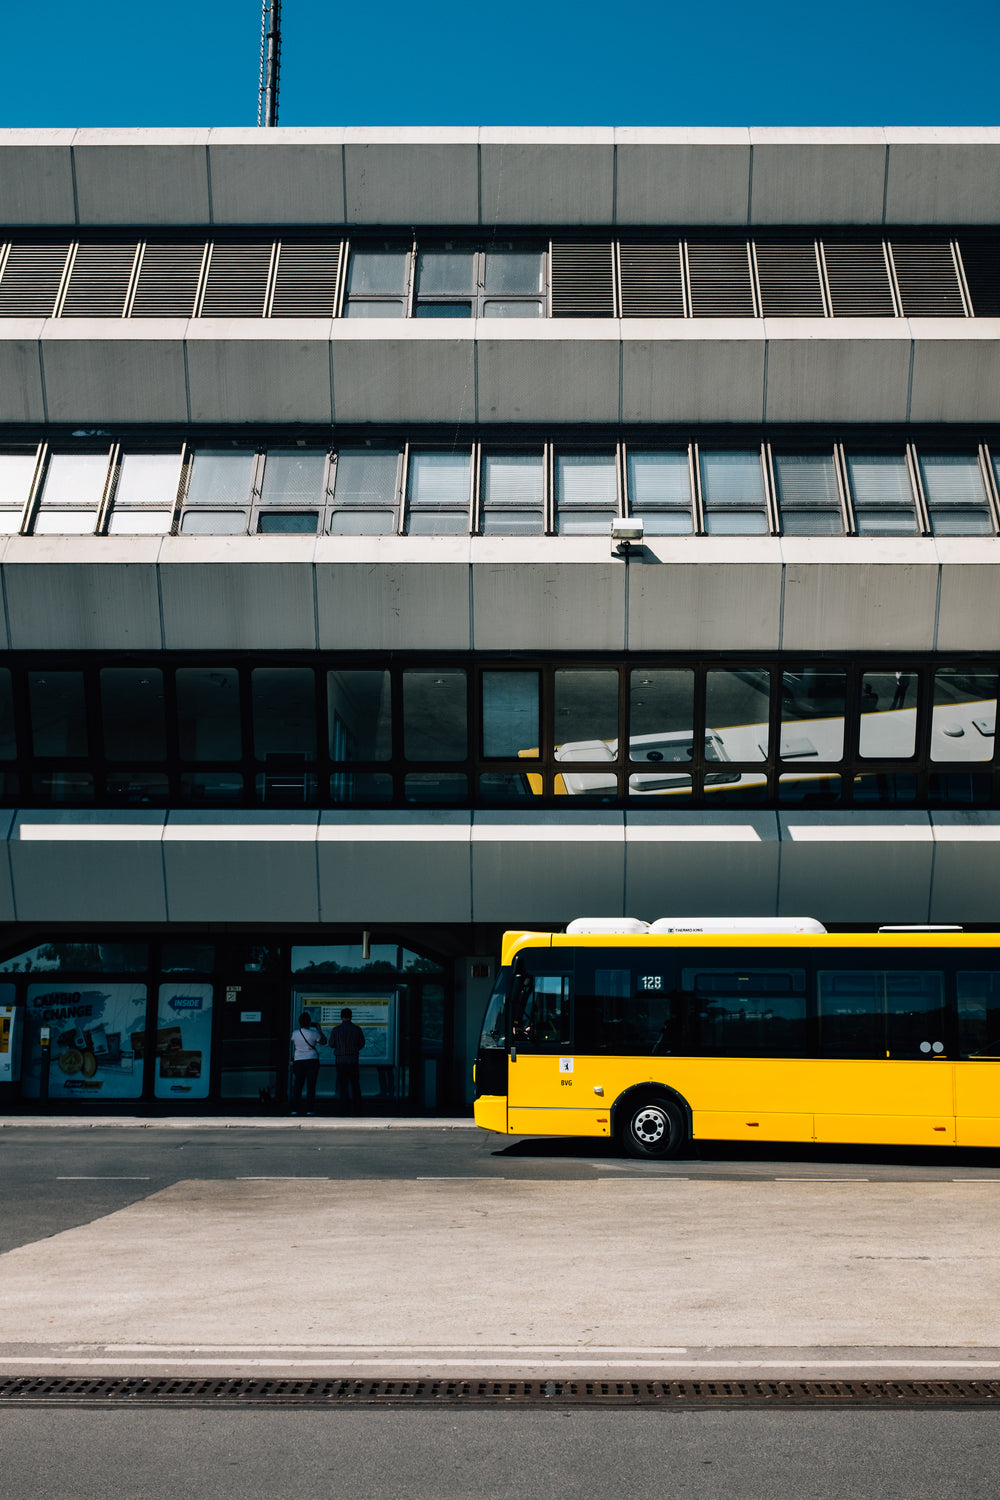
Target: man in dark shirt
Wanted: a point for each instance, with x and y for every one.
(347, 1040)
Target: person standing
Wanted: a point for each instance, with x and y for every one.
(347, 1041)
(306, 1042)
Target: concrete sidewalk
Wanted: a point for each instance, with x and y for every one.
(494, 1277)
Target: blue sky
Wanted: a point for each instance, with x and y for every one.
(858, 63)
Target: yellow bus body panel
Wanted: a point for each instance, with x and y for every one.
(490, 1113)
(933, 1102)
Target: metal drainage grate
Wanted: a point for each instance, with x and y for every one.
(662, 1394)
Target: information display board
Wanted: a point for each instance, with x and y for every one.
(183, 1040)
(98, 1040)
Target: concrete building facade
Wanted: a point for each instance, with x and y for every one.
(321, 664)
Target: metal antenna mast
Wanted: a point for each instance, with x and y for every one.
(270, 62)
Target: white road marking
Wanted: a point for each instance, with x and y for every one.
(415, 1363)
(816, 1179)
(117, 1178)
(383, 1349)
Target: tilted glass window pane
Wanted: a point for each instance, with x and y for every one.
(440, 786)
(284, 716)
(373, 310)
(139, 522)
(955, 494)
(661, 738)
(812, 714)
(964, 717)
(377, 271)
(359, 715)
(75, 479)
(434, 715)
(512, 491)
(132, 713)
(293, 476)
(510, 714)
(366, 476)
(220, 476)
(362, 522)
(587, 479)
(737, 706)
(492, 308)
(659, 490)
(438, 523)
(58, 713)
(148, 479)
(440, 479)
(288, 523)
(214, 522)
(208, 713)
(515, 271)
(17, 470)
(882, 494)
(732, 488)
(65, 522)
(444, 309)
(442, 271)
(888, 715)
(10, 522)
(808, 497)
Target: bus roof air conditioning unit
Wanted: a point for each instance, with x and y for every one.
(580, 926)
(683, 925)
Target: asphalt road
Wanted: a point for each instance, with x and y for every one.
(527, 1455)
(55, 1178)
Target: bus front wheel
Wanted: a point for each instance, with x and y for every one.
(653, 1130)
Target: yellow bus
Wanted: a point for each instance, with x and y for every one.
(660, 1034)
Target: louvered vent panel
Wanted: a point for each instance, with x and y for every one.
(651, 281)
(237, 281)
(720, 281)
(168, 281)
(928, 285)
(788, 277)
(859, 281)
(305, 284)
(98, 282)
(31, 280)
(582, 281)
(981, 260)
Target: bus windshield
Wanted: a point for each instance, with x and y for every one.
(494, 1034)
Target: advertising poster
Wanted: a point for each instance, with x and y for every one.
(183, 1040)
(375, 1014)
(97, 1040)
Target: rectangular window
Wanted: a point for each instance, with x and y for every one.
(812, 715)
(623, 1008)
(72, 492)
(434, 715)
(955, 494)
(513, 282)
(293, 491)
(661, 734)
(218, 497)
(659, 490)
(378, 282)
(438, 494)
(359, 715)
(737, 708)
(208, 713)
(132, 713)
(746, 1011)
(58, 713)
(963, 722)
(145, 494)
(17, 471)
(284, 716)
(732, 492)
(882, 494)
(510, 715)
(808, 498)
(978, 993)
(586, 731)
(876, 1013)
(586, 493)
(365, 492)
(888, 715)
(513, 494)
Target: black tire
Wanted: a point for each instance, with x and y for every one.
(653, 1130)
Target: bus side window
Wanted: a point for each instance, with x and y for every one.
(978, 1013)
(624, 1012)
(747, 1011)
(542, 1013)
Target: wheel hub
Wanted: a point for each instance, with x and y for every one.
(649, 1126)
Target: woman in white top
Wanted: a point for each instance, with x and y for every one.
(306, 1040)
